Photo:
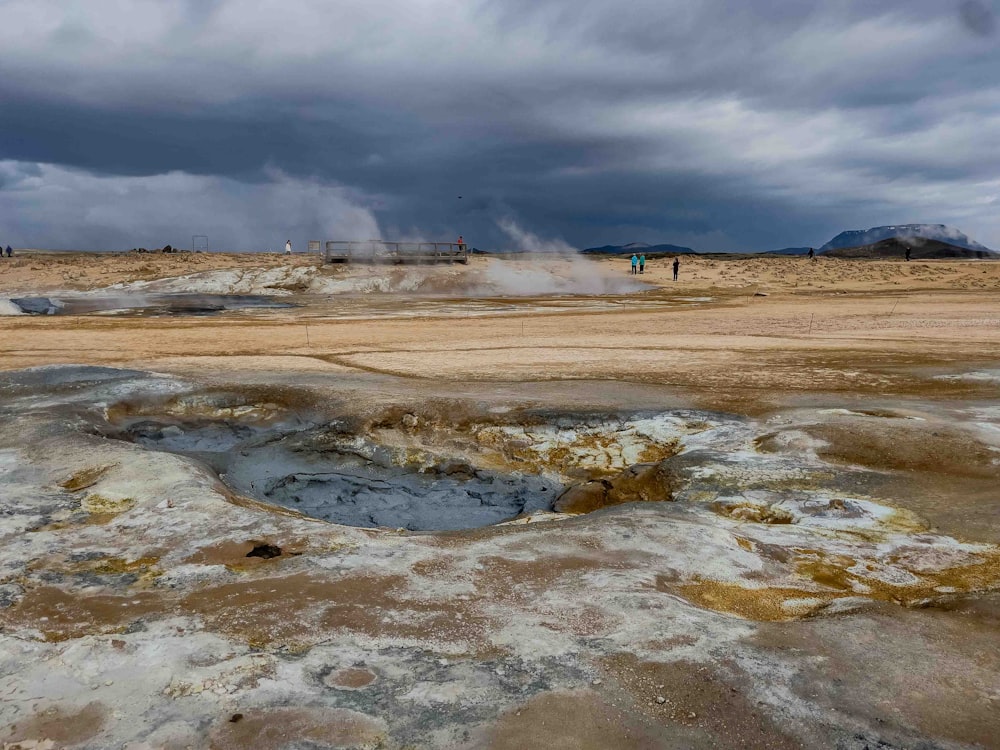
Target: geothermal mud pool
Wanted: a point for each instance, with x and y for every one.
(142, 304)
(498, 574)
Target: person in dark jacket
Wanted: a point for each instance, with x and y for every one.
(677, 266)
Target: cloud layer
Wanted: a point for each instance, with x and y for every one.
(712, 124)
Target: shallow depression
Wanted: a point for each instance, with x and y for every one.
(150, 305)
(434, 472)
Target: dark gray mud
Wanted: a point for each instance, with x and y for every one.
(148, 305)
(336, 476)
(453, 466)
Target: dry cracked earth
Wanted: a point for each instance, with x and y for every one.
(380, 517)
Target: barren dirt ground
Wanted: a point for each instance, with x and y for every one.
(776, 526)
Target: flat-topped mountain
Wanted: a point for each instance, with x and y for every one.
(938, 232)
(919, 249)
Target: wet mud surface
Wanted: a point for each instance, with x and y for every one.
(151, 305)
(333, 474)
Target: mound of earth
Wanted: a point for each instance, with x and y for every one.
(912, 232)
(896, 247)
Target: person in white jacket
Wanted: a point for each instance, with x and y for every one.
(288, 247)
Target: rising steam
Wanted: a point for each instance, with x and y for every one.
(560, 269)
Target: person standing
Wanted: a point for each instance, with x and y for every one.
(677, 266)
(9, 251)
(907, 254)
(642, 263)
(811, 254)
(288, 247)
(635, 263)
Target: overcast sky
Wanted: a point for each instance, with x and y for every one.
(740, 125)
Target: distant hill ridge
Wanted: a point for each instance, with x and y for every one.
(896, 247)
(789, 251)
(639, 247)
(858, 238)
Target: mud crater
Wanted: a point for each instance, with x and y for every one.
(401, 470)
(149, 305)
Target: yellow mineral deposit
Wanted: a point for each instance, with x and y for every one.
(516, 503)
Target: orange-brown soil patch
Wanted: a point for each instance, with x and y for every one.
(698, 697)
(267, 729)
(936, 673)
(351, 678)
(64, 726)
(301, 609)
(239, 556)
(523, 580)
(637, 484)
(60, 615)
(576, 720)
(78, 270)
(905, 445)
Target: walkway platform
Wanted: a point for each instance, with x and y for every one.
(379, 251)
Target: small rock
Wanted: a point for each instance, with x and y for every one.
(596, 682)
(265, 551)
(661, 700)
(692, 715)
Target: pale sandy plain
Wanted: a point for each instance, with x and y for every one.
(793, 468)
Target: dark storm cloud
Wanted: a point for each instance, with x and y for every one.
(717, 124)
(978, 17)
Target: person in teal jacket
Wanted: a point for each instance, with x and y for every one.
(635, 263)
(642, 263)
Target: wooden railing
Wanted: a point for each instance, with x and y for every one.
(380, 251)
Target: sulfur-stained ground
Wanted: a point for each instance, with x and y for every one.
(772, 523)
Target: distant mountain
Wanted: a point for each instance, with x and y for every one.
(867, 237)
(788, 251)
(641, 248)
(919, 249)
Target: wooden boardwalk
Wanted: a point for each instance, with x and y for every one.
(380, 251)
